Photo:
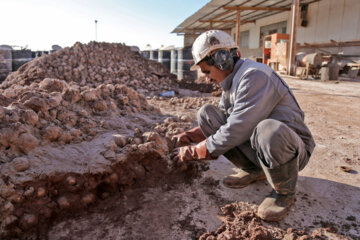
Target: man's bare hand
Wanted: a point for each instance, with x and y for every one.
(180, 140)
(191, 153)
(194, 135)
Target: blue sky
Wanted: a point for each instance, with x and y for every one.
(39, 24)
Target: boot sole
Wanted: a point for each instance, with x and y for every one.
(279, 217)
(244, 185)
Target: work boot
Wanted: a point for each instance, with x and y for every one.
(283, 181)
(244, 178)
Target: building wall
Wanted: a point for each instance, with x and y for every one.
(338, 20)
(189, 39)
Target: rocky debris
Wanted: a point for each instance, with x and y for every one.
(36, 117)
(186, 103)
(90, 65)
(75, 128)
(345, 169)
(241, 222)
(201, 85)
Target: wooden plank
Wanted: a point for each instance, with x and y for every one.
(294, 19)
(218, 21)
(238, 23)
(257, 8)
(222, 14)
(331, 44)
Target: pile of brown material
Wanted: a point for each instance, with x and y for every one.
(91, 65)
(55, 111)
(241, 222)
(202, 85)
(73, 132)
(72, 94)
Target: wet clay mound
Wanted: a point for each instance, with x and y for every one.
(74, 130)
(93, 64)
(52, 182)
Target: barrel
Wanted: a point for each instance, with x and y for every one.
(146, 54)
(154, 54)
(313, 59)
(324, 73)
(334, 69)
(184, 63)
(20, 57)
(5, 62)
(173, 61)
(164, 57)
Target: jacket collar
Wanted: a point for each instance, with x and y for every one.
(226, 84)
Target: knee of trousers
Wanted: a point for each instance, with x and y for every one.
(274, 142)
(210, 118)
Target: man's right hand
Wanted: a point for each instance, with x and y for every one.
(194, 135)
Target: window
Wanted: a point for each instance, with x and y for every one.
(279, 27)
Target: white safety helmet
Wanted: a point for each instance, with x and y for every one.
(209, 41)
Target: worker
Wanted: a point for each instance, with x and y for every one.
(258, 125)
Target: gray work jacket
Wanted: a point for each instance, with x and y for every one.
(251, 93)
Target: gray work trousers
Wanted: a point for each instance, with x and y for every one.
(271, 142)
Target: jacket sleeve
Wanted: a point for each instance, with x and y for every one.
(255, 99)
(221, 103)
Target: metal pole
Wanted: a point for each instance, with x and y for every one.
(96, 30)
(294, 17)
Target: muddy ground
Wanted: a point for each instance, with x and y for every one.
(328, 198)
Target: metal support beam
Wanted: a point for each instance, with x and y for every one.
(291, 69)
(257, 8)
(238, 23)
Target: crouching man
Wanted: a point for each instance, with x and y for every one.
(258, 125)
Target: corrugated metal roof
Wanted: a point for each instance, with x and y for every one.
(225, 19)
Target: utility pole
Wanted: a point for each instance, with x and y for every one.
(96, 30)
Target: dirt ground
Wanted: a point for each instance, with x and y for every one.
(328, 198)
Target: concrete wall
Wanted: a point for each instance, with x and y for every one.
(338, 20)
(189, 39)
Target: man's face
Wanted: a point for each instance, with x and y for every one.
(212, 73)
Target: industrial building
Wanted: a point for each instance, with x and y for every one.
(327, 27)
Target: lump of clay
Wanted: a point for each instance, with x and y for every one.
(21, 164)
(27, 142)
(52, 85)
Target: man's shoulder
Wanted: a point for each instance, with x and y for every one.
(252, 67)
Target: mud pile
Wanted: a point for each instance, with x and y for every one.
(73, 132)
(241, 222)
